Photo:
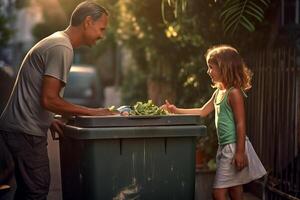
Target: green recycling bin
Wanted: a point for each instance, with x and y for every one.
(133, 157)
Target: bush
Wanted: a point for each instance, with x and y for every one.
(134, 87)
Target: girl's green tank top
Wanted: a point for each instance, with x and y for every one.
(224, 119)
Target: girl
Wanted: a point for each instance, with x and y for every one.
(237, 162)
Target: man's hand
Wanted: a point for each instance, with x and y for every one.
(56, 127)
(240, 160)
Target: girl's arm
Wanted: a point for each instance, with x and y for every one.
(236, 101)
(207, 108)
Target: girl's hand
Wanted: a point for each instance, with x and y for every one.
(240, 160)
(169, 107)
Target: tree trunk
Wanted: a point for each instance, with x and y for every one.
(160, 85)
(159, 91)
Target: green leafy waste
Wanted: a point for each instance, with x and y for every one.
(148, 108)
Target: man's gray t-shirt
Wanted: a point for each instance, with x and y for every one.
(51, 56)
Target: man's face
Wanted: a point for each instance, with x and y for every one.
(94, 30)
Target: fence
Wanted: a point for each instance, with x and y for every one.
(273, 114)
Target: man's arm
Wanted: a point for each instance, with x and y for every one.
(51, 100)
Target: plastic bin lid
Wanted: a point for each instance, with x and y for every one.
(133, 121)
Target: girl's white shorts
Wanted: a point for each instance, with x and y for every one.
(227, 175)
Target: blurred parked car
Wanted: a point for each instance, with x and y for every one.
(84, 87)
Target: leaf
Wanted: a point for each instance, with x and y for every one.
(231, 18)
(256, 11)
(243, 13)
(246, 26)
(183, 5)
(230, 25)
(245, 21)
(230, 13)
(233, 8)
(255, 16)
(266, 3)
(176, 9)
(163, 12)
(231, 2)
(177, 6)
(256, 6)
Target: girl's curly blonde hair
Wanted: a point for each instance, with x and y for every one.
(233, 69)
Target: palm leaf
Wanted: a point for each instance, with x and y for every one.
(247, 24)
(163, 11)
(260, 14)
(231, 24)
(178, 7)
(266, 3)
(183, 5)
(253, 15)
(242, 13)
(231, 18)
(230, 10)
(231, 2)
(256, 6)
(229, 13)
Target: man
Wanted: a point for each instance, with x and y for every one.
(37, 94)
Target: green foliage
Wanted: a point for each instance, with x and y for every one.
(22, 3)
(5, 32)
(156, 54)
(237, 13)
(50, 25)
(68, 6)
(110, 36)
(53, 20)
(175, 7)
(177, 59)
(134, 87)
(141, 29)
(174, 50)
(208, 144)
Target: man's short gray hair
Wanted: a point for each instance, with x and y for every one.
(84, 9)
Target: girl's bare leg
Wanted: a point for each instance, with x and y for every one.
(220, 193)
(236, 192)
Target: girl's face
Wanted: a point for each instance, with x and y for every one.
(214, 72)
